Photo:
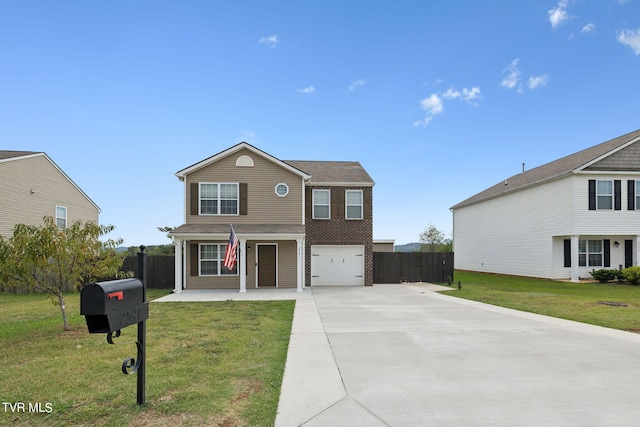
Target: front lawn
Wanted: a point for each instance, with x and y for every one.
(581, 302)
(208, 363)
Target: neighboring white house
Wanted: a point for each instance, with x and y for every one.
(560, 220)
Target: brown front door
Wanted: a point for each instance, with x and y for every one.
(266, 265)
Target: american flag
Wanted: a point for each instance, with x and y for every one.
(230, 254)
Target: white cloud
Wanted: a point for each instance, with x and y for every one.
(589, 28)
(423, 122)
(467, 95)
(307, 90)
(471, 94)
(513, 75)
(434, 104)
(512, 78)
(535, 81)
(631, 38)
(356, 84)
(558, 15)
(270, 41)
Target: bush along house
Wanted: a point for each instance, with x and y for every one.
(297, 223)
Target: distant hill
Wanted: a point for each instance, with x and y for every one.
(408, 247)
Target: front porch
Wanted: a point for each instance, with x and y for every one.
(577, 255)
(268, 257)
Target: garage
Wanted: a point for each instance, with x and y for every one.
(337, 265)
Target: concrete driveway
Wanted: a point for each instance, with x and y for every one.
(403, 355)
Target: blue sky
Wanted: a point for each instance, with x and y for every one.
(437, 100)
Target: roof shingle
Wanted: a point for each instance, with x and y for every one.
(549, 171)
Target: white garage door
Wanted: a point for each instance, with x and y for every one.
(337, 265)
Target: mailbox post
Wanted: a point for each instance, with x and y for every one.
(110, 306)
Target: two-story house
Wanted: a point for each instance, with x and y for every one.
(560, 220)
(298, 222)
(33, 186)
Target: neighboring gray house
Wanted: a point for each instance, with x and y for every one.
(33, 187)
(298, 222)
(560, 220)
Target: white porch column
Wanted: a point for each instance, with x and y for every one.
(177, 287)
(300, 264)
(575, 274)
(242, 262)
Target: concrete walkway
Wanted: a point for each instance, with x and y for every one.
(403, 355)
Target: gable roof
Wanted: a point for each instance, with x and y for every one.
(558, 168)
(229, 151)
(8, 156)
(333, 173)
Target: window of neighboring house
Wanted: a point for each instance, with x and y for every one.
(590, 253)
(604, 194)
(61, 217)
(218, 198)
(212, 260)
(353, 204)
(321, 204)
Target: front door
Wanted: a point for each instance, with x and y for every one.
(628, 253)
(266, 265)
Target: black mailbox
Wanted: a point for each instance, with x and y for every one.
(113, 305)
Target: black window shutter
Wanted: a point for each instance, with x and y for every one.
(567, 252)
(617, 195)
(308, 207)
(631, 194)
(243, 198)
(194, 199)
(193, 255)
(592, 194)
(337, 203)
(607, 252)
(366, 203)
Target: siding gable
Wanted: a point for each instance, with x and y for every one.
(258, 202)
(623, 160)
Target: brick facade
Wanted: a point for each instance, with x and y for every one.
(338, 230)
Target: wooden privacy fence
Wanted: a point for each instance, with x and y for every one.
(396, 267)
(160, 269)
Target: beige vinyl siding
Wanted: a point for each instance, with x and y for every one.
(208, 282)
(287, 264)
(287, 251)
(264, 206)
(50, 189)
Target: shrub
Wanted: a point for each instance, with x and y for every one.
(604, 275)
(632, 275)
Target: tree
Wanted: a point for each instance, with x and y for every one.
(54, 260)
(432, 239)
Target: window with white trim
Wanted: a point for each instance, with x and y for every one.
(637, 195)
(604, 194)
(353, 204)
(590, 253)
(219, 198)
(61, 217)
(282, 189)
(211, 260)
(321, 204)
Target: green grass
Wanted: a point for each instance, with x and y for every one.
(208, 363)
(573, 301)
